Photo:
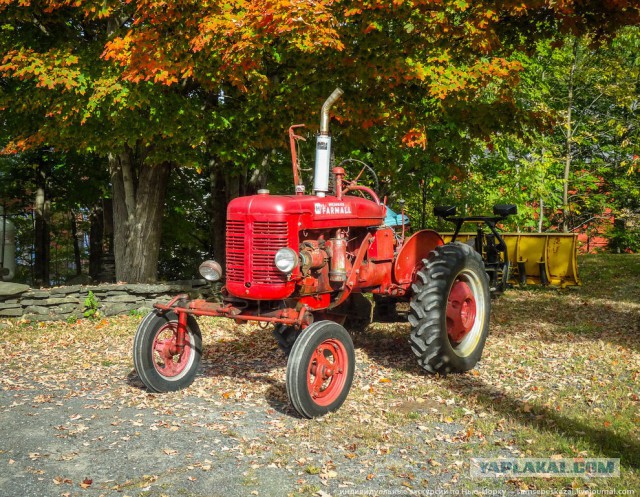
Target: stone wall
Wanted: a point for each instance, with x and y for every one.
(68, 302)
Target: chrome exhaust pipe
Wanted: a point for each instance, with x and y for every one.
(323, 147)
(326, 107)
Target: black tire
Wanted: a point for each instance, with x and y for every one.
(385, 310)
(434, 334)
(286, 337)
(159, 370)
(503, 280)
(313, 392)
(359, 310)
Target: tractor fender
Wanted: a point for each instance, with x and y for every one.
(413, 251)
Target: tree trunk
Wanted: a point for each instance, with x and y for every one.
(423, 204)
(96, 241)
(541, 217)
(569, 139)
(77, 259)
(259, 176)
(107, 218)
(138, 204)
(42, 241)
(225, 186)
(218, 213)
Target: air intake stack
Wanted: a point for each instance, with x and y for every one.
(323, 147)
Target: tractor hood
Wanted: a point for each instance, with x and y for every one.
(312, 212)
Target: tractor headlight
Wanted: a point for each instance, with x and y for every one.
(210, 270)
(286, 260)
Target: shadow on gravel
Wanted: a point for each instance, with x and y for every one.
(244, 367)
(547, 420)
(133, 380)
(392, 350)
(388, 345)
(276, 397)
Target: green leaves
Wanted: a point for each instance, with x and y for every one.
(438, 96)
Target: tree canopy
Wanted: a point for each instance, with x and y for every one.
(436, 91)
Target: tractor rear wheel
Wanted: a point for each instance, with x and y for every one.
(155, 357)
(320, 369)
(449, 310)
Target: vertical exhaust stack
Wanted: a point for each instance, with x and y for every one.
(323, 147)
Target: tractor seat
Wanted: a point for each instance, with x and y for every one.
(504, 210)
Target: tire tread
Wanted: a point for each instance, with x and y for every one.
(428, 305)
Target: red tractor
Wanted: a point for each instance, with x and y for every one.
(302, 262)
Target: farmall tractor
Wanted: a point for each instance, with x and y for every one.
(302, 262)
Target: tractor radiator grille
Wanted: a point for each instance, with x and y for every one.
(263, 243)
(235, 251)
(268, 238)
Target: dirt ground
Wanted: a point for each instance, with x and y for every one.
(75, 419)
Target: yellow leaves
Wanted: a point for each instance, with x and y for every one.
(118, 48)
(53, 69)
(164, 77)
(20, 144)
(449, 79)
(84, 484)
(238, 35)
(354, 11)
(328, 474)
(415, 138)
(371, 27)
(187, 72)
(462, 5)
(469, 433)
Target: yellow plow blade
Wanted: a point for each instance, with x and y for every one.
(538, 258)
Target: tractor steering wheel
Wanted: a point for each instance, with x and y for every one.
(366, 167)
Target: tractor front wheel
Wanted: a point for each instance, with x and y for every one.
(320, 369)
(157, 360)
(449, 311)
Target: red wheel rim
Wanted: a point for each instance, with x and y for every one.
(327, 372)
(461, 311)
(166, 360)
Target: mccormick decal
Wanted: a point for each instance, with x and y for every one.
(331, 208)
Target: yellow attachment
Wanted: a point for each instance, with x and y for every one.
(553, 254)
